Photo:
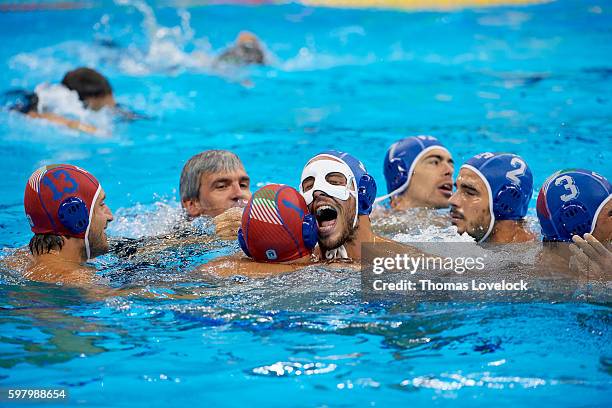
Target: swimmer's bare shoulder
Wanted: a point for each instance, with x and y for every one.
(57, 272)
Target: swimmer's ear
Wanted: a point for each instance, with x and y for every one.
(193, 207)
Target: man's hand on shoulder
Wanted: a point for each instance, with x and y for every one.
(228, 223)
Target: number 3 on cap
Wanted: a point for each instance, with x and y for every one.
(513, 175)
(569, 185)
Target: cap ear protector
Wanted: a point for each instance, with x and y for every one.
(366, 194)
(310, 231)
(310, 234)
(508, 201)
(397, 170)
(575, 218)
(73, 215)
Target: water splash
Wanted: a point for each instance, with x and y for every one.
(289, 369)
(167, 47)
(161, 217)
(59, 100)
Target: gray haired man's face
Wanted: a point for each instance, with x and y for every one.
(219, 192)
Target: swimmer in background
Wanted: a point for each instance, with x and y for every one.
(215, 183)
(246, 50)
(96, 93)
(27, 102)
(576, 206)
(419, 173)
(212, 182)
(492, 198)
(277, 235)
(66, 208)
(419, 176)
(93, 90)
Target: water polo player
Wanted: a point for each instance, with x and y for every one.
(575, 202)
(277, 234)
(492, 198)
(419, 173)
(340, 194)
(576, 205)
(246, 50)
(65, 207)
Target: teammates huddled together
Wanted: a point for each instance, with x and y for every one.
(281, 229)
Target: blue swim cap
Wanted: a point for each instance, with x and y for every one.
(509, 183)
(401, 159)
(570, 202)
(366, 185)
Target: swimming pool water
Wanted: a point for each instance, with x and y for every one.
(530, 80)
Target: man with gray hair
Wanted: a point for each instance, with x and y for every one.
(212, 182)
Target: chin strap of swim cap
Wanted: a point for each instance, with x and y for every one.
(91, 210)
(319, 170)
(597, 211)
(337, 253)
(490, 193)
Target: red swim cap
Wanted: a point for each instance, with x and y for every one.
(276, 225)
(59, 199)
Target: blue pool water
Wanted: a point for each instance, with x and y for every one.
(532, 80)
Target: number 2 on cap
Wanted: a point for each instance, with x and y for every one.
(513, 175)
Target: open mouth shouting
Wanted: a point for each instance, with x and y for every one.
(327, 217)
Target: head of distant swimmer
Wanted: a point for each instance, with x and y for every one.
(334, 216)
(212, 182)
(431, 183)
(470, 205)
(249, 48)
(93, 88)
(41, 244)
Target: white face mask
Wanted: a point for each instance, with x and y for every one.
(319, 170)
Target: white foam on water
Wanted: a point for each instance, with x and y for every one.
(309, 59)
(59, 100)
(433, 234)
(166, 46)
(143, 220)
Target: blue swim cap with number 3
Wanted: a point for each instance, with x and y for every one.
(570, 202)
